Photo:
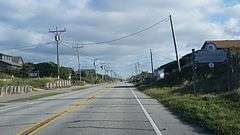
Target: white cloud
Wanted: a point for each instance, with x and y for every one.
(95, 20)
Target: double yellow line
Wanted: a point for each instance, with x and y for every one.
(45, 122)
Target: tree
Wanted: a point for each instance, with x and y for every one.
(27, 68)
(46, 69)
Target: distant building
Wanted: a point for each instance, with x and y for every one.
(159, 73)
(233, 46)
(10, 62)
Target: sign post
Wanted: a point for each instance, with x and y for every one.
(194, 70)
(229, 71)
(211, 57)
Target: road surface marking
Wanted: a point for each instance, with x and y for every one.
(55, 117)
(157, 131)
(7, 108)
(44, 123)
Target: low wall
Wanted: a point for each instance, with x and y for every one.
(10, 90)
(58, 84)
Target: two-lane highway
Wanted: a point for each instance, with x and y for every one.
(115, 109)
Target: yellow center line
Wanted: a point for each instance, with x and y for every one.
(45, 122)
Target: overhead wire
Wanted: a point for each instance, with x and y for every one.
(66, 43)
(127, 36)
(27, 48)
(74, 50)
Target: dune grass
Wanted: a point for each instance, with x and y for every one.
(219, 113)
(35, 82)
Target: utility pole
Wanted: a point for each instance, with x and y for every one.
(139, 69)
(57, 39)
(111, 74)
(95, 67)
(151, 61)
(103, 67)
(175, 43)
(78, 59)
(105, 73)
(136, 69)
(194, 71)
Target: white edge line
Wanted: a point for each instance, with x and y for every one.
(157, 131)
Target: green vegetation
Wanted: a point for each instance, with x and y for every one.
(35, 82)
(209, 97)
(4, 76)
(219, 113)
(38, 96)
(46, 69)
(47, 73)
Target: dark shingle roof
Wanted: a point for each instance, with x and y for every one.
(225, 43)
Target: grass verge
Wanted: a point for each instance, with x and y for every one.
(219, 113)
(38, 96)
(35, 82)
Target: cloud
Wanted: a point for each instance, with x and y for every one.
(27, 22)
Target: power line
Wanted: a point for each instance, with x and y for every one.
(90, 57)
(26, 48)
(129, 35)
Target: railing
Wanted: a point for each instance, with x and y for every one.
(10, 90)
(58, 84)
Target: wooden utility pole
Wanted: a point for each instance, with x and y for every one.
(139, 68)
(136, 69)
(175, 43)
(78, 59)
(194, 71)
(57, 39)
(102, 67)
(95, 67)
(151, 61)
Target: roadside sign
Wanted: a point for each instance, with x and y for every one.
(33, 74)
(204, 56)
(211, 65)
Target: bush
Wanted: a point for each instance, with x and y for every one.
(35, 82)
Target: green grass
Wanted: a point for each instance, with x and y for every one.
(4, 76)
(219, 113)
(37, 96)
(35, 82)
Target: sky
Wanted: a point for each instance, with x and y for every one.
(24, 29)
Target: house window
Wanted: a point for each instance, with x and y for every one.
(211, 47)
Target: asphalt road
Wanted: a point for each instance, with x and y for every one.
(116, 109)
